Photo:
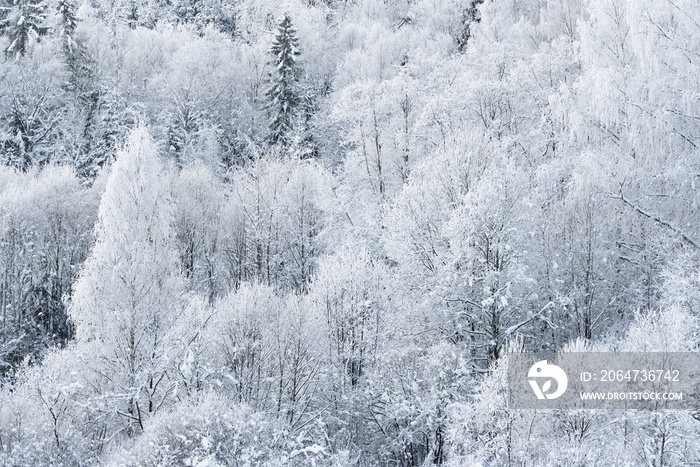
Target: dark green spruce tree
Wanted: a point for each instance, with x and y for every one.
(285, 93)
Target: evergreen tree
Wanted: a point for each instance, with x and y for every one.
(68, 25)
(202, 13)
(470, 15)
(21, 21)
(106, 120)
(69, 22)
(32, 104)
(285, 91)
(80, 64)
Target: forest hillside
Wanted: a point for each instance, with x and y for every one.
(308, 233)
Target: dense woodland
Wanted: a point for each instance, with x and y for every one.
(249, 232)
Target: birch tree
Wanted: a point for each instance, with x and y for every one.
(130, 294)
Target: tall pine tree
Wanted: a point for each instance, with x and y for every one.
(285, 90)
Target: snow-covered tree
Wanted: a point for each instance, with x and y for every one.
(285, 93)
(199, 200)
(130, 293)
(45, 225)
(264, 348)
(68, 19)
(351, 299)
(33, 102)
(470, 15)
(22, 21)
(77, 57)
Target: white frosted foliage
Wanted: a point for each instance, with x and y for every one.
(129, 295)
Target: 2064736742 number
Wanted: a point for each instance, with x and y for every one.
(639, 375)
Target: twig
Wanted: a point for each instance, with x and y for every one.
(657, 219)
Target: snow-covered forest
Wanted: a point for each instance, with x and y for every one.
(307, 233)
